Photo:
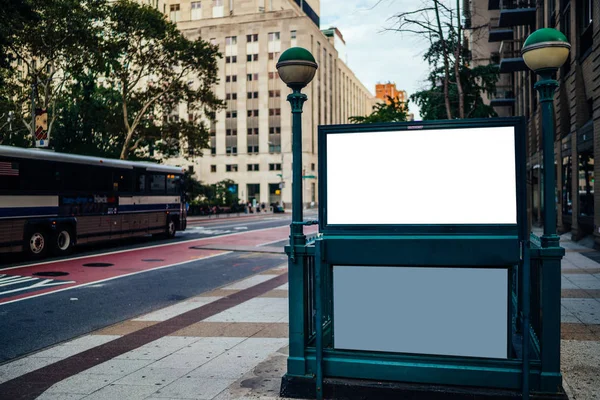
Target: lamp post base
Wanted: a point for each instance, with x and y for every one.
(551, 240)
(299, 387)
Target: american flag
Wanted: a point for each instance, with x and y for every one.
(9, 169)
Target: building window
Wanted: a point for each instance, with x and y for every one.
(252, 131)
(253, 149)
(293, 35)
(231, 96)
(312, 166)
(586, 26)
(174, 12)
(231, 78)
(274, 111)
(196, 10)
(231, 150)
(273, 36)
(253, 95)
(230, 40)
(252, 57)
(230, 59)
(230, 132)
(231, 168)
(231, 114)
(252, 167)
(252, 113)
(252, 38)
(274, 130)
(274, 93)
(274, 167)
(273, 75)
(213, 168)
(252, 77)
(213, 150)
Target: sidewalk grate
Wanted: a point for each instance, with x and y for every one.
(98, 264)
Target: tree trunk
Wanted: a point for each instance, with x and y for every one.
(446, 63)
(457, 60)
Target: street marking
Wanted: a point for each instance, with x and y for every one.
(241, 227)
(19, 279)
(112, 278)
(37, 285)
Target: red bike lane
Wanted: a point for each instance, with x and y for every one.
(17, 283)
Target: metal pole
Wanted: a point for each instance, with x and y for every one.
(297, 100)
(546, 88)
(319, 318)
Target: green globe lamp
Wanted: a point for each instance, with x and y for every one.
(544, 52)
(296, 67)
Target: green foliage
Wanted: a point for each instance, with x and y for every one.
(156, 69)
(395, 111)
(476, 83)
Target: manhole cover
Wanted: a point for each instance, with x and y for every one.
(98, 265)
(51, 273)
(153, 259)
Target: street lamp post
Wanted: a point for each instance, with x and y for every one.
(296, 68)
(544, 51)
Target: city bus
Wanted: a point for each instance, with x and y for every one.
(51, 202)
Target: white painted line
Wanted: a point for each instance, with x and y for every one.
(21, 279)
(38, 285)
(271, 242)
(137, 248)
(115, 277)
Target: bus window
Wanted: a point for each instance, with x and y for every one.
(39, 176)
(173, 184)
(9, 175)
(140, 184)
(157, 183)
(124, 181)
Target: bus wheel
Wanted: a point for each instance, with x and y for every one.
(171, 229)
(37, 244)
(63, 241)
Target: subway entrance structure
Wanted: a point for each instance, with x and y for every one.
(424, 281)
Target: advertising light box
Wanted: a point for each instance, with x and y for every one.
(420, 176)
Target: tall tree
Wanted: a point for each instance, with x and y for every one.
(54, 40)
(156, 70)
(455, 89)
(394, 111)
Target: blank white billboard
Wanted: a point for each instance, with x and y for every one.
(437, 176)
(421, 310)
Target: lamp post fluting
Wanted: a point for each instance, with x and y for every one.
(544, 51)
(296, 68)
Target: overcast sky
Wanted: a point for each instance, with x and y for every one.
(374, 54)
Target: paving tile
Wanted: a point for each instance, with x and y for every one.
(567, 284)
(125, 328)
(586, 310)
(184, 361)
(579, 293)
(209, 346)
(276, 330)
(226, 329)
(23, 366)
(123, 392)
(567, 316)
(60, 396)
(240, 359)
(255, 310)
(159, 348)
(151, 375)
(574, 270)
(118, 367)
(285, 286)
(177, 309)
(218, 293)
(76, 346)
(584, 281)
(276, 293)
(83, 384)
(194, 388)
(248, 282)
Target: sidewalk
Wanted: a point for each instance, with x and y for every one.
(231, 343)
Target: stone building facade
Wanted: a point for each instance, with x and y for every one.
(251, 139)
